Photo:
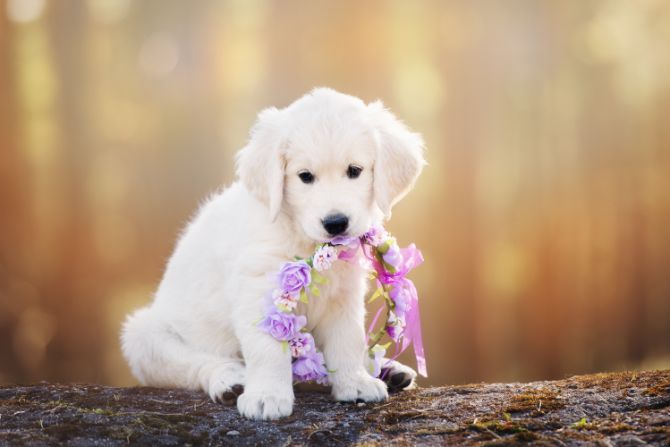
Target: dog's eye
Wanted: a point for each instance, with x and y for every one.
(306, 176)
(354, 171)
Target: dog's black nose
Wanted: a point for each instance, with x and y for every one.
(335, 224)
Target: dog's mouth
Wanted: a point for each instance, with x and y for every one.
(343, 239)
(348, 237)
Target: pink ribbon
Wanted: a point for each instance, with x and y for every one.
(411, 334)
(413, 331)
(373, 323)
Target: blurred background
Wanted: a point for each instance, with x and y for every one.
(544, 214)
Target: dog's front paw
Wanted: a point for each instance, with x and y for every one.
(265, 405)
(359, 386)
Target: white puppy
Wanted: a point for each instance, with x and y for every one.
(327, 164)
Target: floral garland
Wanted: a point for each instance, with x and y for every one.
(388, 265)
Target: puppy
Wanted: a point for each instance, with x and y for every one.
(326, 165)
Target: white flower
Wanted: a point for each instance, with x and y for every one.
(324, 257)
(284, 300)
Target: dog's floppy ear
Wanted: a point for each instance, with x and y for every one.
(399, 158)
(261, 163)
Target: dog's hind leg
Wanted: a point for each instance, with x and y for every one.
(159, 356)
(397, 376)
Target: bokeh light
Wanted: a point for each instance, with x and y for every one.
(23, 11)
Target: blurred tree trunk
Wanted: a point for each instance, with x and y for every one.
(13, 193)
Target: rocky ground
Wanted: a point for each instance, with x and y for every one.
(619, 409)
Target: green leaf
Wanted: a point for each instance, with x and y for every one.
(318, 277)
(582, 423)
(314, 290)
(379, 292)
(283, 308)
(257, 322)
(377, 348)
(284, 346)
(303, 296)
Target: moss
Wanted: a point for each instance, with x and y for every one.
(604, 379)
(519, 439)
(54, 406)
(624, 380)
(499, 427)
(394, 417)
(583, 424)
(507, 414)
(437, 430)
(99, 411)
(526, 436)
(14, 401)
(659, 389)
(536, 401)
(614, 428)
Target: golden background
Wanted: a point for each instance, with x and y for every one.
(544, 214)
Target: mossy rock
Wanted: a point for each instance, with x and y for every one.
(629, 408)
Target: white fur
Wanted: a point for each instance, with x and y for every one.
(201, 330)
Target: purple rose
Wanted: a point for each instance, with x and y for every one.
(302, 344)
(393, 256)
(310, 367)
(282, 326)
(293, 276)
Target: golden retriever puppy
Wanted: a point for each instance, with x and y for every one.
(326, 165)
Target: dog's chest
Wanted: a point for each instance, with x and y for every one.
(342, 286)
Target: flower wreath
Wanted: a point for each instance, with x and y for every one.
(387, 264)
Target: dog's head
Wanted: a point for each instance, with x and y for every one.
(330, 163)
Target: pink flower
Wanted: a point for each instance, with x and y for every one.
(324, 257)
(293, 276)
(284, 301)
(302, 344)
